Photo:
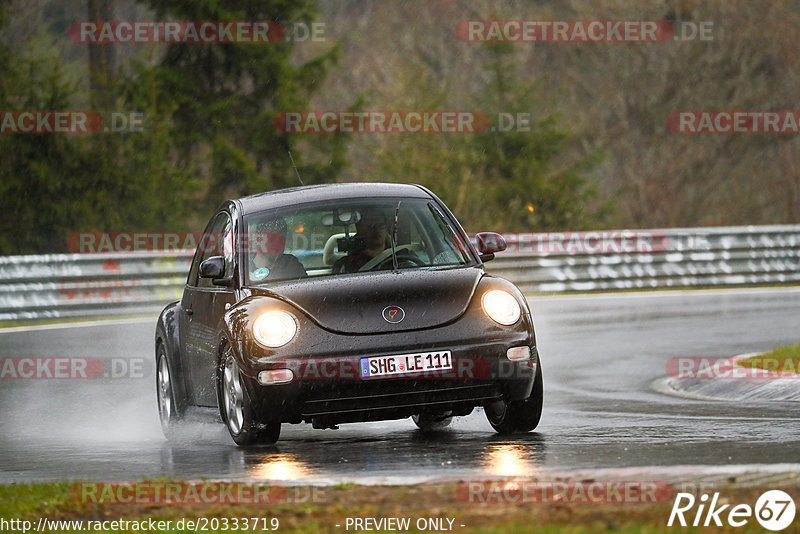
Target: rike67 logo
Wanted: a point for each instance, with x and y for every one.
(774, 510)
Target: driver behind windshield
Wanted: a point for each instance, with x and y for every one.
(269, 262)
(372, 228)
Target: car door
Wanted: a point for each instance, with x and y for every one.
(202, 306)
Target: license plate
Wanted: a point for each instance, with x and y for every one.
(403, 364)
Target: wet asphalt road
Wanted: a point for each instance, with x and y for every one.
(600, 354)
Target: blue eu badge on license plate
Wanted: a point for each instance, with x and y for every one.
(365, 367)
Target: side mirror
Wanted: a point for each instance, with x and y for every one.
(214, 268)
(489, 243)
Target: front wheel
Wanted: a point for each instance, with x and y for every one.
(518, 416)
(244, 425)
(170, 409)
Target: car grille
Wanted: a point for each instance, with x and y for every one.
(388, 395)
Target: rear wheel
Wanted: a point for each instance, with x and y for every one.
(428, 422)
(170, 409)
(245, 426)
(518, 416)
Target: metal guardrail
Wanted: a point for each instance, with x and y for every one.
(75, 285)
(696, 257)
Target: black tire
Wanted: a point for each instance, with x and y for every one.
(431, 422)
(171, 409)
(244, 425)
(518, 416)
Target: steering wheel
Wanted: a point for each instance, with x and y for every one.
(402, 261)
(378, 261)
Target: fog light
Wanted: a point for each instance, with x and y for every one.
(519, 354)
(276, 376)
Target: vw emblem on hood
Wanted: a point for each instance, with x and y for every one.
(393, 314)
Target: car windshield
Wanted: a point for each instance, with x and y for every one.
(344, 237)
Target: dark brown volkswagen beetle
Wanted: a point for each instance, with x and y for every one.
(342, 303)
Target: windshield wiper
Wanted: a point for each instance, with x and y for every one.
(394, 235)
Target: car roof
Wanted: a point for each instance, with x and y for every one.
(322, 192)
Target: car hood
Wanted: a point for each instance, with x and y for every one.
(355, 304)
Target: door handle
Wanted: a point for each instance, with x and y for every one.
(189, 311)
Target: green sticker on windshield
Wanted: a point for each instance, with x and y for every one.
(261, 273)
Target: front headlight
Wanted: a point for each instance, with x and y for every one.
(274, 328)
(501, 306)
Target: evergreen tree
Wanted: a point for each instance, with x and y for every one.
(207, 132)
(225, 96)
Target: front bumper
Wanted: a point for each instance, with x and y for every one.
(328, 390)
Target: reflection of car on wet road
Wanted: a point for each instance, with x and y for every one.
(343, 303)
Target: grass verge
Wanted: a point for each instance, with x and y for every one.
(322, 509)
(785, 359)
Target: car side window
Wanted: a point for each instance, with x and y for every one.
(217, 240)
